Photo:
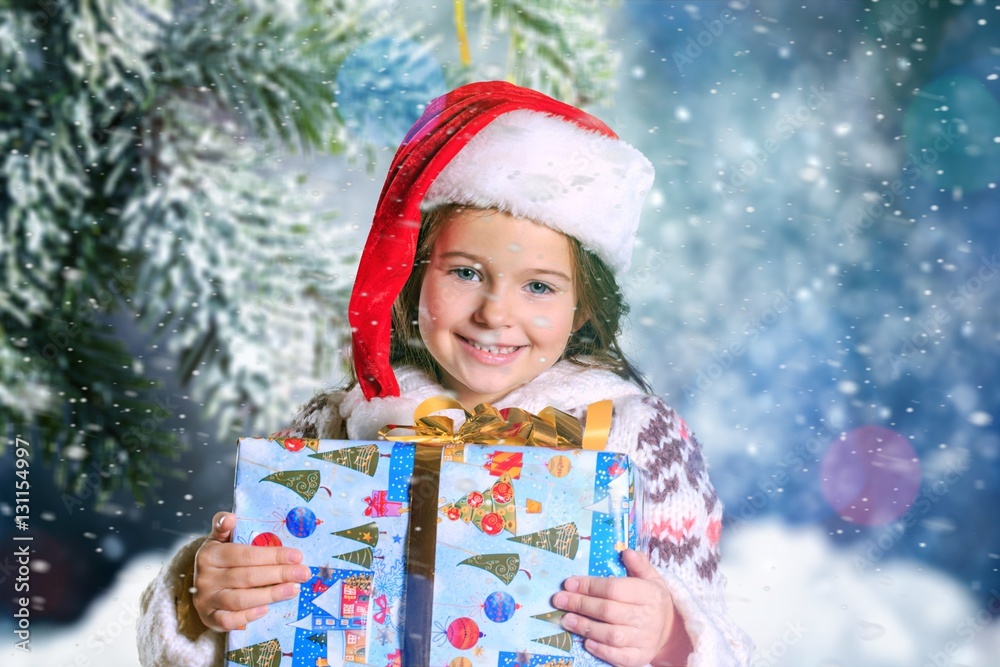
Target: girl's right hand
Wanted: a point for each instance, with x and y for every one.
(234, 583)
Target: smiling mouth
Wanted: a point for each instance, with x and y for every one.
(492, 349)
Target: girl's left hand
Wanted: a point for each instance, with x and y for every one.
(627, 621)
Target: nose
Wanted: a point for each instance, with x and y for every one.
(494, 311)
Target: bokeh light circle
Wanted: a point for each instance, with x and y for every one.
(382, 88)
(871, 476)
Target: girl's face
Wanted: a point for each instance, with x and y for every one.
(497, 302)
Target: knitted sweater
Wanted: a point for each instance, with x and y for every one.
(684, 515)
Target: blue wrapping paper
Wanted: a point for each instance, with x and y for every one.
(512, 523)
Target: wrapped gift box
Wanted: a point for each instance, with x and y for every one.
(475, 543)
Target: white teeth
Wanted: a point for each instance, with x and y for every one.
(491, 349)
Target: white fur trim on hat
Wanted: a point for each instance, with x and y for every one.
(550, 170)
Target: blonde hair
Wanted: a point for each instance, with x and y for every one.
(599, 300)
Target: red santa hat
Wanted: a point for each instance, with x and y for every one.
(493, 145)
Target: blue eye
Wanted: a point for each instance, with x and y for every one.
(465, 273)
(537, 287)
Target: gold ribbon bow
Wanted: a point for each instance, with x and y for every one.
(486, 426)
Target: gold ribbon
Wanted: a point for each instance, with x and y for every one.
(486, 426)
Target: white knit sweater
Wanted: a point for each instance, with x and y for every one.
(684, 514)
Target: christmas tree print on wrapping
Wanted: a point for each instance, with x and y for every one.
(264, 654)
(363, 458)
(562, 641)
(491, 511)
(551, 616)
(561, 540)
(303, 482)
(366, 534)
(502, 566)
(362, 557)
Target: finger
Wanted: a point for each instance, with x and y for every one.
(227, 621)
(245, 599)
(598, 608)
(222, 526)
(622, 589)
(608, 634)
(626, 657)
(265, 575)
(245, 555)
(638, 566)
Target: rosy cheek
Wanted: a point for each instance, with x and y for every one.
(436, 301)
(542, 322)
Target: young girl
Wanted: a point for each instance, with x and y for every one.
(490, 274)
